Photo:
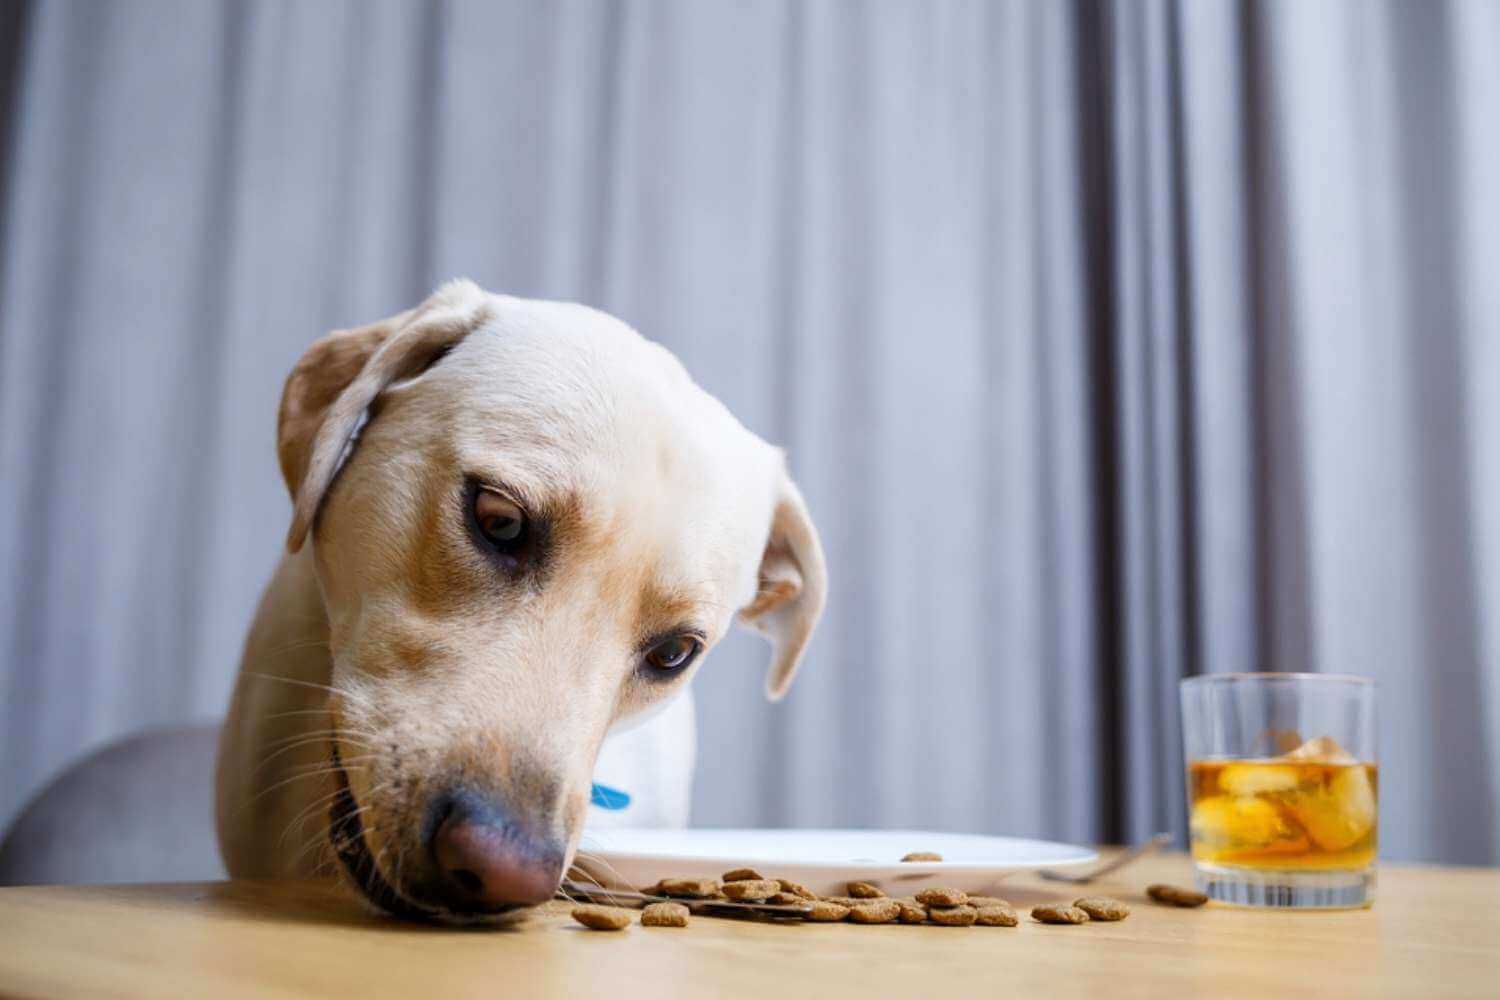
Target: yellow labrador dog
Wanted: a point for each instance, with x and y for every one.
(517, 527)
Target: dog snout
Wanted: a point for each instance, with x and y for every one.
(487, 861)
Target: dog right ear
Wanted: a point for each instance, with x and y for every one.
(793, 587)
(332, 386)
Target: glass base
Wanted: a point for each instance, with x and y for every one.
(1287, 890)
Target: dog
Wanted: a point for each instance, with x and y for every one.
(517, 528)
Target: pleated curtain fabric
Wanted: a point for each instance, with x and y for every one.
(1110, 342)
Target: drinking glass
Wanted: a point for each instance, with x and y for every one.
(1282, 788)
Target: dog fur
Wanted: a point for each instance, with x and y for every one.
(388, 634)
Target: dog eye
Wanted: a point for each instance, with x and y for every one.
(673, 654)
(500, 521)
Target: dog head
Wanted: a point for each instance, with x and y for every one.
(529, 525)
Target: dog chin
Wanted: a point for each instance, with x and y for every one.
(509, 917)
(503, 918)
(388, 902)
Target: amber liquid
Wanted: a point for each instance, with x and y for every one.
(1283, 814)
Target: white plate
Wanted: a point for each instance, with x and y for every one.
(823, 860)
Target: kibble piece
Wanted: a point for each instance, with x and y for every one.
(824, 912)
(687, 888)
(996, 916)
(983, 901)
(1172, 895)
(755, 890)
(741, 875)
(864, 890)
(875, 911)
(1059, 914)
(922, 856)
(942, 897)
(912, 912)
(602, 918)
(1102, 908)
(796, 888)
(664, 915)
(952, 916)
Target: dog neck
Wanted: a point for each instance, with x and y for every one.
(279, 703)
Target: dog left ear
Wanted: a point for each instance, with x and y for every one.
(329, 392)
(793, 588)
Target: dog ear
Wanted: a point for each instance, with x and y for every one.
(332, 386)
(793, 588)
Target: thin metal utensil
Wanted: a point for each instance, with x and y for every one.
(1114, 864)
(598, 894)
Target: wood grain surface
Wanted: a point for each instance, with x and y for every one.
(1433, 932)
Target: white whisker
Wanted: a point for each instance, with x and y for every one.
(311, 685)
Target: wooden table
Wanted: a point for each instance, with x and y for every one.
(1435, 931)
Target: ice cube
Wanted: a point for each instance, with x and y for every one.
(1258, 779)
(1324, 750)
(1337, 815)
(1240, 824)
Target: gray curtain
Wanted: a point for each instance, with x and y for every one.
(1111, 342)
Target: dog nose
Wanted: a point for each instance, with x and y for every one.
(485, 862)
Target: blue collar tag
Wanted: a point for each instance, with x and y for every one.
(608, 798)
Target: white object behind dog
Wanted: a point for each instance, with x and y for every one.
(653, 763)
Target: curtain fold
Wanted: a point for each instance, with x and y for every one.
(1111, 342)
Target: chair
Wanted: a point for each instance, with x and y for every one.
(138, 810)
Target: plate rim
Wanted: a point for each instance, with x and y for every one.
(1085, 855)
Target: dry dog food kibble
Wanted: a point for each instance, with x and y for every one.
(1102, 908)
(912, 912)
(602, 918)
(751, 890)
(952, 916)
(824, 912)
(922, 856)
(867, 903)
(686, 888)
(795, 888)
(1171, 895)
(1059, 914)
(875, 911)
(942, 897)
(664, 915)
(741, 875)
(996, 916)
(982, 901)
